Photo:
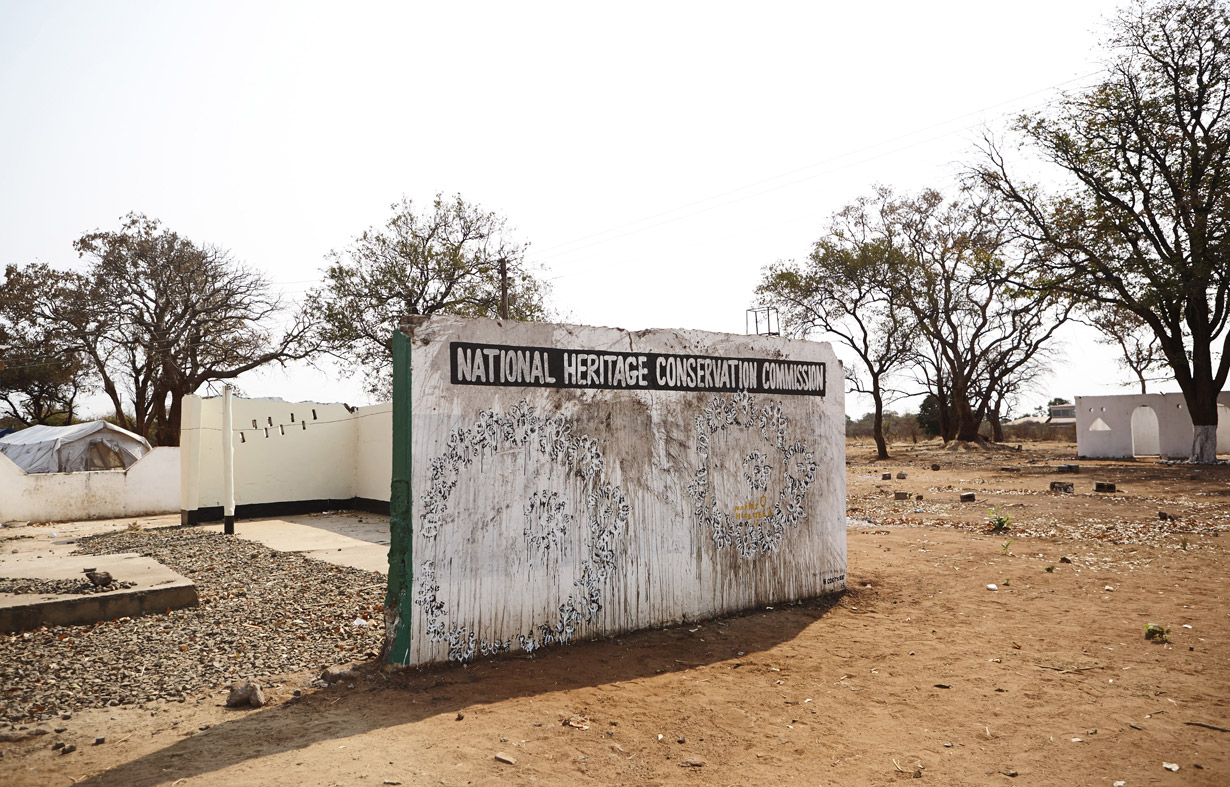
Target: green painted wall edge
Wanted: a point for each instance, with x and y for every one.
(397, 603)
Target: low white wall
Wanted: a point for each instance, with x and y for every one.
(151, 486)
(1104, 426)
(286, 451)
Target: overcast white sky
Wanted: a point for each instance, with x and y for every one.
(655, 155)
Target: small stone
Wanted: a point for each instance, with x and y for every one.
(947, 745)
(336, 673)
(901, 476)
(460, 716)
(504, 758)
(1010, 774)
(100, 740)
(886, 476)
(968, 497)
(1120, 783)
(681, 740)
(70, 748)
(692, 762)
(992, 586)
(66, 716)
(57, 745)
(1065, 560)
(61, 729)
(1064, 487)
(1103, 486)
(245, 694)
(935, 467)
(918, 773)
(901, 495)
(1170, 766)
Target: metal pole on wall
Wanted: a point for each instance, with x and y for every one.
(228, 465)
(503, 288)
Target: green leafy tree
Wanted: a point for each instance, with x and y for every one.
(1145, 225)
(41, 371)
(842, 291)
(442, 259)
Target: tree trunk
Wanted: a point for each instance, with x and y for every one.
(169, 434)
(997, 428)
(1203, 409)
(877, 425)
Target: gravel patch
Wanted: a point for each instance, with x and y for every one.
(263, 613)
(56, 587)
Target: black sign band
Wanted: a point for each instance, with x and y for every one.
(552, 367)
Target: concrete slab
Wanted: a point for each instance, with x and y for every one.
(158, 588)
(350, 539)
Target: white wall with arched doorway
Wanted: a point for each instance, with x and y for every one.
(1145, 440)
(1115, 427)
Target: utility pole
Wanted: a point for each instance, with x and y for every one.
(504, 288)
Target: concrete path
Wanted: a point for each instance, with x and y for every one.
(344, 538)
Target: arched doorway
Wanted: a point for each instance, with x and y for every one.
(1144, 432)
(1223, 429)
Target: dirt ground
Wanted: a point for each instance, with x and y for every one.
(918, 671)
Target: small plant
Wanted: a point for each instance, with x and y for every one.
(999, 522)
(1009, 543)
(1183, 544)
(134, 527)
(1157, 633)
(1050, 569)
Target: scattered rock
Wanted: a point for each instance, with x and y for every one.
(935, 467)
(692, 762)
(70, 748)
(1065, 487)
(1103, 486)
(992, 586)
(337, 672)
(901, 475)
(968, 497)
(1065, 560)
(245, 694)
(1068, 469)
(1170, 766)
(460, 716)
(886, 476)
(100, 740)
(901, 495)
(504, 758)
(57, 745)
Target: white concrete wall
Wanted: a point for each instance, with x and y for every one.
(150, 486)
(297, 451)
(374, 451)
(1174, 426)
(542, 515)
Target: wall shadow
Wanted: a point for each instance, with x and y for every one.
(386, 700)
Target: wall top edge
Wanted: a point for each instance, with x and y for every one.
(427, 327)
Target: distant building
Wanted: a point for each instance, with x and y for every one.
(1062, 415)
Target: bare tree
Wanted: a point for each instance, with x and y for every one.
(1146, 225)
(1139, 351)
(159, 317)
(983, 332)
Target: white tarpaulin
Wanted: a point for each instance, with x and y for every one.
(96, 445)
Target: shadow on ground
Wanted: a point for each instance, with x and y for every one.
(410, 695)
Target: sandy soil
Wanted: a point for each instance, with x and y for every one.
(918, 671)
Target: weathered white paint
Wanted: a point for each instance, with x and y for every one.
(151, 486)
(524, 535)
(297, 451)
(1105, 426)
